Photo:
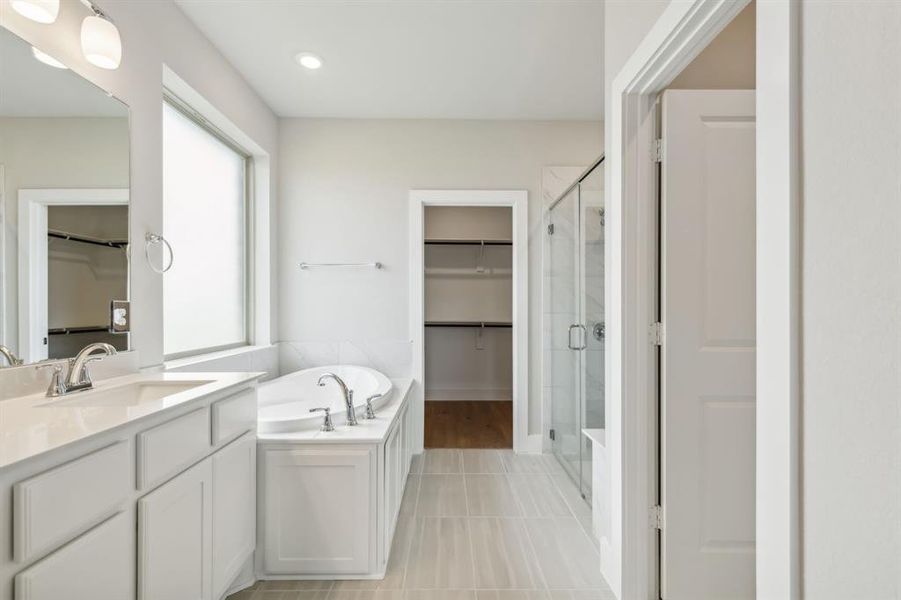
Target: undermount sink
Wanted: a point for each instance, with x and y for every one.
(132, 394)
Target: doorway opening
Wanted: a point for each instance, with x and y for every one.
(706, 324)
(469, 318)
(468, 274)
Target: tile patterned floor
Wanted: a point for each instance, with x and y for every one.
(477, 525)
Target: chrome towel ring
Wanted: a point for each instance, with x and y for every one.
(154, 238)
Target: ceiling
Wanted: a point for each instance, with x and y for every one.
(446, 59)
(29, 88)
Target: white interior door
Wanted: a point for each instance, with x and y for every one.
(708, 357)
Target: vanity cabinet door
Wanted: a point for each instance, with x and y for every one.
(319, 509)
(175, 538)
(234, 510)
(99, 565)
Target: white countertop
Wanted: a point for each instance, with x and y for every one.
(34, 424)
(366, 431)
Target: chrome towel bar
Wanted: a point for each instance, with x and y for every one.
(373, 265)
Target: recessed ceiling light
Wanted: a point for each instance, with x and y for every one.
(47, 59)
(308, 60)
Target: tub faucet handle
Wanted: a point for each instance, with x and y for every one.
(327, 424)
(370, 413)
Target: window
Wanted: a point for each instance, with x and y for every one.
(205, 208)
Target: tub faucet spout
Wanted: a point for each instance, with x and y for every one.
(348, 395)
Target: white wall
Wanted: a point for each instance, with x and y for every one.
(344, 197)
(851, 293)
(729, 61)
(154, 34)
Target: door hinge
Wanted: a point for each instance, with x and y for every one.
(552, 434)
(657, 151)
(656, 333)
(550, 229)
(657, 517)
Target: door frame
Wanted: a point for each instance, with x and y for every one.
(517, 200)
(32, 297)
(629, 563)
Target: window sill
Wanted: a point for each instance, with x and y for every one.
(200, 359)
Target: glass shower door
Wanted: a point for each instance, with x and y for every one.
(564, 303)
(574, 278)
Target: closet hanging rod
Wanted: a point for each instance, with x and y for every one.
(468, 242)
(371, 265)
(63, 235)
(71, 330)
(468, 324)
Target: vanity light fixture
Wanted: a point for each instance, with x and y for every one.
(47, 59)
(309, 60)
(100, 41)
(42, 11)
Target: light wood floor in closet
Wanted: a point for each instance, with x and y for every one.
(469, 424)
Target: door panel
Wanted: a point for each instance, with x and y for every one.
(565, 375)
(175, 538)
(708, 357)
(234, 510)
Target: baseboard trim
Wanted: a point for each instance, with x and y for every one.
(468, 394)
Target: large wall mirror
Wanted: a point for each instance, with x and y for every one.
(64, 192)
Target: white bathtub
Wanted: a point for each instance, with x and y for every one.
(285, 402)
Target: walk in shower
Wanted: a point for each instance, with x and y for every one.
(574, 321)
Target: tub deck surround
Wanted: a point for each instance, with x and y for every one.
(366, 431)
(352, 478)
(33, 425)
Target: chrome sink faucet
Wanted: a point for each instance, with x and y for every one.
(348, 395)
(10, 356)
(78, 378)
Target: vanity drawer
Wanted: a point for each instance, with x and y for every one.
(99, 565)
(234, 416)
(170, 448)
(52, 508)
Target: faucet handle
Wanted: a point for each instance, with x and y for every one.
(327, 424)
(370, 413)
(57, 387)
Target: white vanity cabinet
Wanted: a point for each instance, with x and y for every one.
(234, 510)
(175, 537)
(329, 505)
(160, 509)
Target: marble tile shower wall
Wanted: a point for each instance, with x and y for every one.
(594, 314)
(394, 358)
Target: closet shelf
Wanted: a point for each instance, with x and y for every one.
(71, 330)
(65, 235)
(462, 242)
(468, 324)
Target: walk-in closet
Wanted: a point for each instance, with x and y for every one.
(87, 268)
(468, 327)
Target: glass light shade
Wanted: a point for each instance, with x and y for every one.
(42, 11)
(47, 59)
(100, 42)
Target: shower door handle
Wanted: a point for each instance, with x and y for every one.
(582, 336)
